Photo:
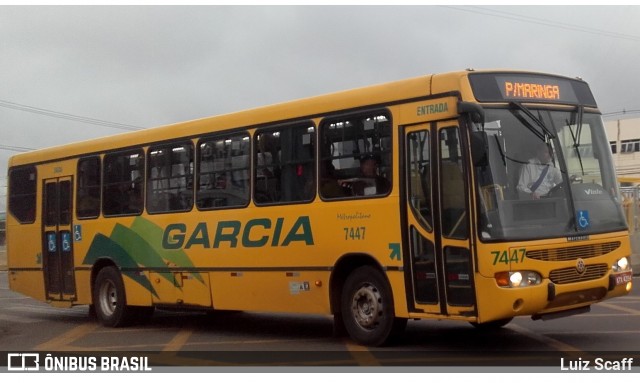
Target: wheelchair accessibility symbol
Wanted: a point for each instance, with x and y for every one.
(77, 233)
(66, 241)
(582, 219)
(51, 242)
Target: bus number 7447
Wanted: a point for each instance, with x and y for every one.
(517, 256)
(354, 233)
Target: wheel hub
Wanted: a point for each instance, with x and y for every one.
(366, 307)
(108, 298)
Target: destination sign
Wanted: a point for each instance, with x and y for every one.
(514, 89)
(501, 87)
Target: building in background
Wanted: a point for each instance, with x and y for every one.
(624, 137)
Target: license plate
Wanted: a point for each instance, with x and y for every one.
(621, 279)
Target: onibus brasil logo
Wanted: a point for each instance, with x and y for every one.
(55, 363)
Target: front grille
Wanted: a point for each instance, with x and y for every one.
(574, 252)
(570, 274)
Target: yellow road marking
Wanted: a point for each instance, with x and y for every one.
(63, 342)
(362, 355)
(619, 308)
(596, 332)
(178, 341)
(626, 298)
(560, 346)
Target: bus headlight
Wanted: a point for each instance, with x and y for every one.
(518, 278)
(621, 264)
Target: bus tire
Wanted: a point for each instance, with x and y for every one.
(367, 308)
(109, 299)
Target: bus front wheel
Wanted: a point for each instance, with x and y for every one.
(109, 298)
(367, 308)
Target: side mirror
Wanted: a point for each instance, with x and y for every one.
(475, 111)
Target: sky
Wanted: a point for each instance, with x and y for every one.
(70, 73)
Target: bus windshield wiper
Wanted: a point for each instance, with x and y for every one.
(576, 137)
(579, 124)
(534, 119)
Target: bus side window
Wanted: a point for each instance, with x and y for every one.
(88, 188)
(22, 194)
(356, 150)
(285, 167)
(122, 189)
(223, 172)
(170, 178)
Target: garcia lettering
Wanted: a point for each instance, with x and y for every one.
(257, 232)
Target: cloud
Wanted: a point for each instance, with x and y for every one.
(155, 65)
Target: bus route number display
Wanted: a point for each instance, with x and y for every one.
(535, 88)
(523, 90)
(489, 87)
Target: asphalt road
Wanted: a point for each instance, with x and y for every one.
(27, 325)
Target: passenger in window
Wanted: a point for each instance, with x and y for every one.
(370, 183)
(329, 184)
(540, 175)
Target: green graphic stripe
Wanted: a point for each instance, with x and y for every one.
(139, 250)
(140, 246)
(153, 234)
(104, 247)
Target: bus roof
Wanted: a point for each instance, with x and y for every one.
(380, 94)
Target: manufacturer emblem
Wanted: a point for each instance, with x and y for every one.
(580, 266)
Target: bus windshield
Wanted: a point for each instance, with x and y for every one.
(544, 173)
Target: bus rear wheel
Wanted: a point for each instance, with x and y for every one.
(109, 299)
(367, 308)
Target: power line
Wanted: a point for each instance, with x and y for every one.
(539, 21)
(621, 112)
(67, 116)
(15, 148)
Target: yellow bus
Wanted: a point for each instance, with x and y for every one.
(405, 200)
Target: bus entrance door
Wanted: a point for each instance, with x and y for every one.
(57, 239)
(440, 264)
(453, 243)
(424, 265)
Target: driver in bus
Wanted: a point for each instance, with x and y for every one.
(540, 175)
